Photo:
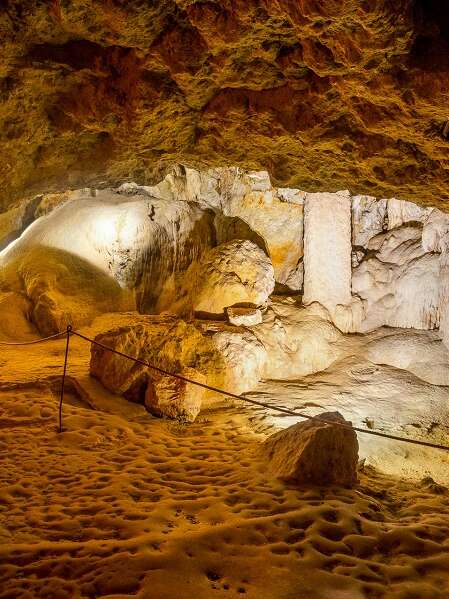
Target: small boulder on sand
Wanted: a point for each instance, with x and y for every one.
(174, 398)
(315, 452)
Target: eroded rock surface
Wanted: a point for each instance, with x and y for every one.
(237, 272)
(325, 95)
(314, 452)
(223, 356)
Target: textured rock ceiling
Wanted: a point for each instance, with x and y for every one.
(325, 94)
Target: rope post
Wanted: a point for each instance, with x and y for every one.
(61, 399)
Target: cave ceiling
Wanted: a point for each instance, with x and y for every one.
(324, 94)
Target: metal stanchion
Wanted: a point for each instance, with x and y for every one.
(61, 399)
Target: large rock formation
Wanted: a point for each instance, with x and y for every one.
(399, 283)
(237, 272)
(315, 452)
(326, 95)
(222, 356)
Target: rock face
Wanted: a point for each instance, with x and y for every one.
(327, 250)
(205, 241)
(399, 283)
(244, 316)
(298, 340)
(312, 452)
(237, 272)
(326, 95)
(274, 215)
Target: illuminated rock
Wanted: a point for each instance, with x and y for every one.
(368, 218)
(399, 284)
(104, 253)
(216, 353)
(275, 214)
(312, 452)
(327, 250)
(175, 398)
(232, 273)
(244, 316)
(400, 212)
(299, 340)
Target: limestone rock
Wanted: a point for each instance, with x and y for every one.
(244, 316)
(312, 452)
(299, 86)
(327, 250)
(400, 284)
(401, 212)
(275, 215)
(216, 353)
(104, 253)
(175, 398)
(298, 340)
(435, 234)
(15, 317)
(232, 273)
(368, 218)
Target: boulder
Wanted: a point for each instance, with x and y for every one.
(174, 398)
(236, 272)
(214, 353)
(313, 452)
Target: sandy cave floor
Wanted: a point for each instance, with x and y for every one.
(126, 505)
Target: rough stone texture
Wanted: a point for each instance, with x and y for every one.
(104, 253)
(174, 398)
(399, 283)
(244, 316)
(368, 218)
(298, 340)
(237, 272)
(274, 214)
(312, 452)
(400, 213)
(327, 249)
(215, 353)
(325, 95)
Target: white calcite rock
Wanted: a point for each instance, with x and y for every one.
(105, 253)
(244, 316)
(276, 215)
(237, 272)
(313, 452)
(400, 212)
(400, 284)
(368, 218)
(412, 351)
(327, 250)
(435, 233)
(298, 340)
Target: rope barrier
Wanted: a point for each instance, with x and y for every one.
(68, 332)
(35, 340)
(261, 403)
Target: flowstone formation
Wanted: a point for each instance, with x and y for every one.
(325, 95)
